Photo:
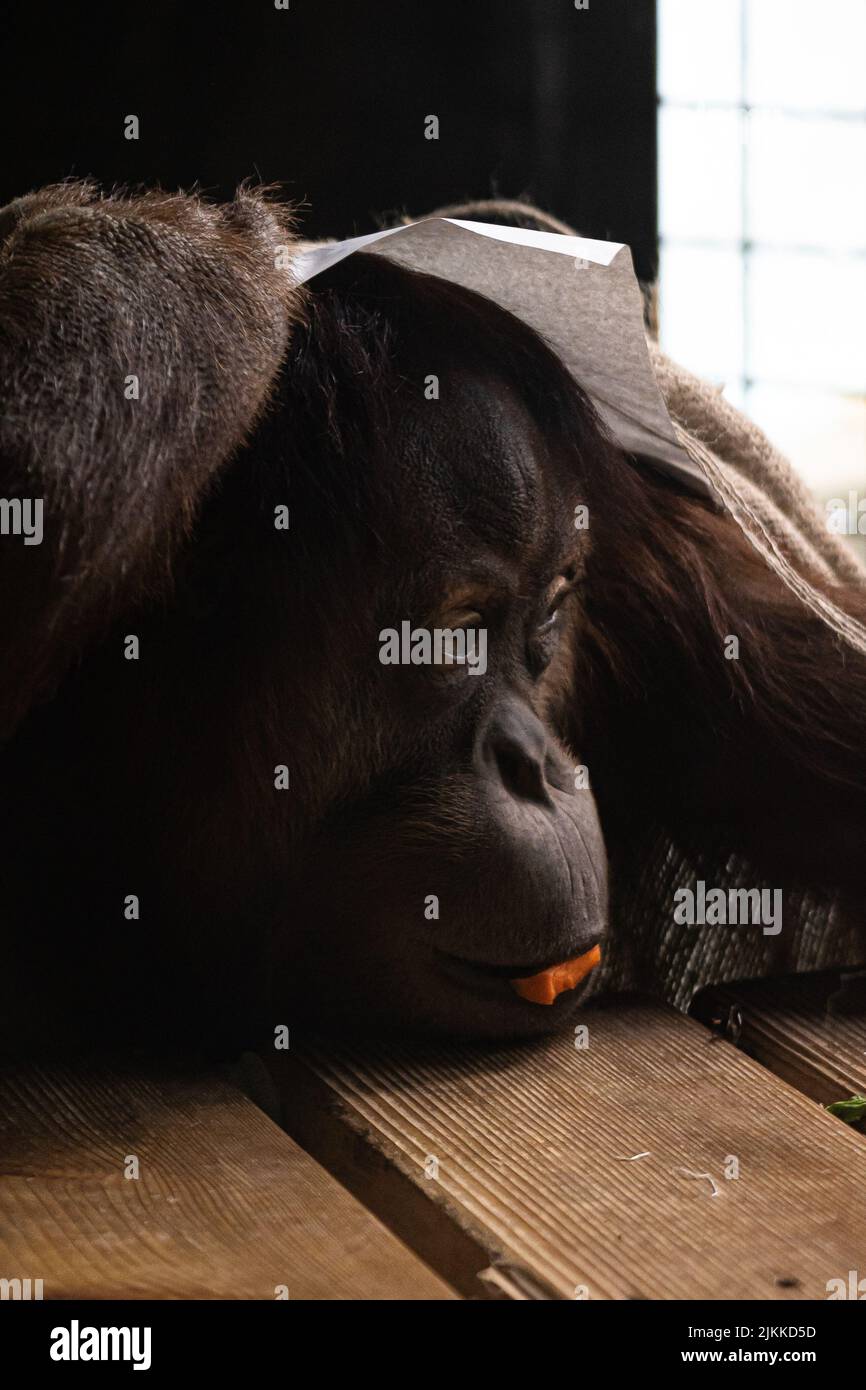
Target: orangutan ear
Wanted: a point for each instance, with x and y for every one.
(139, 338)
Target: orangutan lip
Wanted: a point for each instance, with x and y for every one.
(517, 972)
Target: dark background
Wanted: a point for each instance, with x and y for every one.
(329, 98)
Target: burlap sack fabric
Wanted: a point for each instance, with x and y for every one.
(760, 490)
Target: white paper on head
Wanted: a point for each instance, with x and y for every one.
(580, 295)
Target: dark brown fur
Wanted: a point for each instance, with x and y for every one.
(187, 297)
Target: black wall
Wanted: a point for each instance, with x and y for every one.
(329, 97)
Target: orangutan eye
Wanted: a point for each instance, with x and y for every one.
(548, 623)
(555, 602)
(459, 638)
(546, 633)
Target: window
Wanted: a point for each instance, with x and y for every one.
(762, 213)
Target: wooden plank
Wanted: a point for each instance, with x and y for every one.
(808, 1029)
(538, 1193)
(225, 1206)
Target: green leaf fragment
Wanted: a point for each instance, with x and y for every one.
(849, 1110)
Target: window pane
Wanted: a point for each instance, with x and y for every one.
(735, 392)
(699, 50)
(807, 180)
(823, 434)
(807, 319)
(702, 311)
(805, 53)
(700, 179)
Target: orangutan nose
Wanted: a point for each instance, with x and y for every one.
(514, 748)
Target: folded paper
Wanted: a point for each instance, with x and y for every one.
(580, 295)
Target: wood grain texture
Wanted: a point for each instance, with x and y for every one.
(808, 1029)
(536, 1196)
(226, 1204)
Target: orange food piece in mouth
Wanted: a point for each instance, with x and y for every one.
(548, 984)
